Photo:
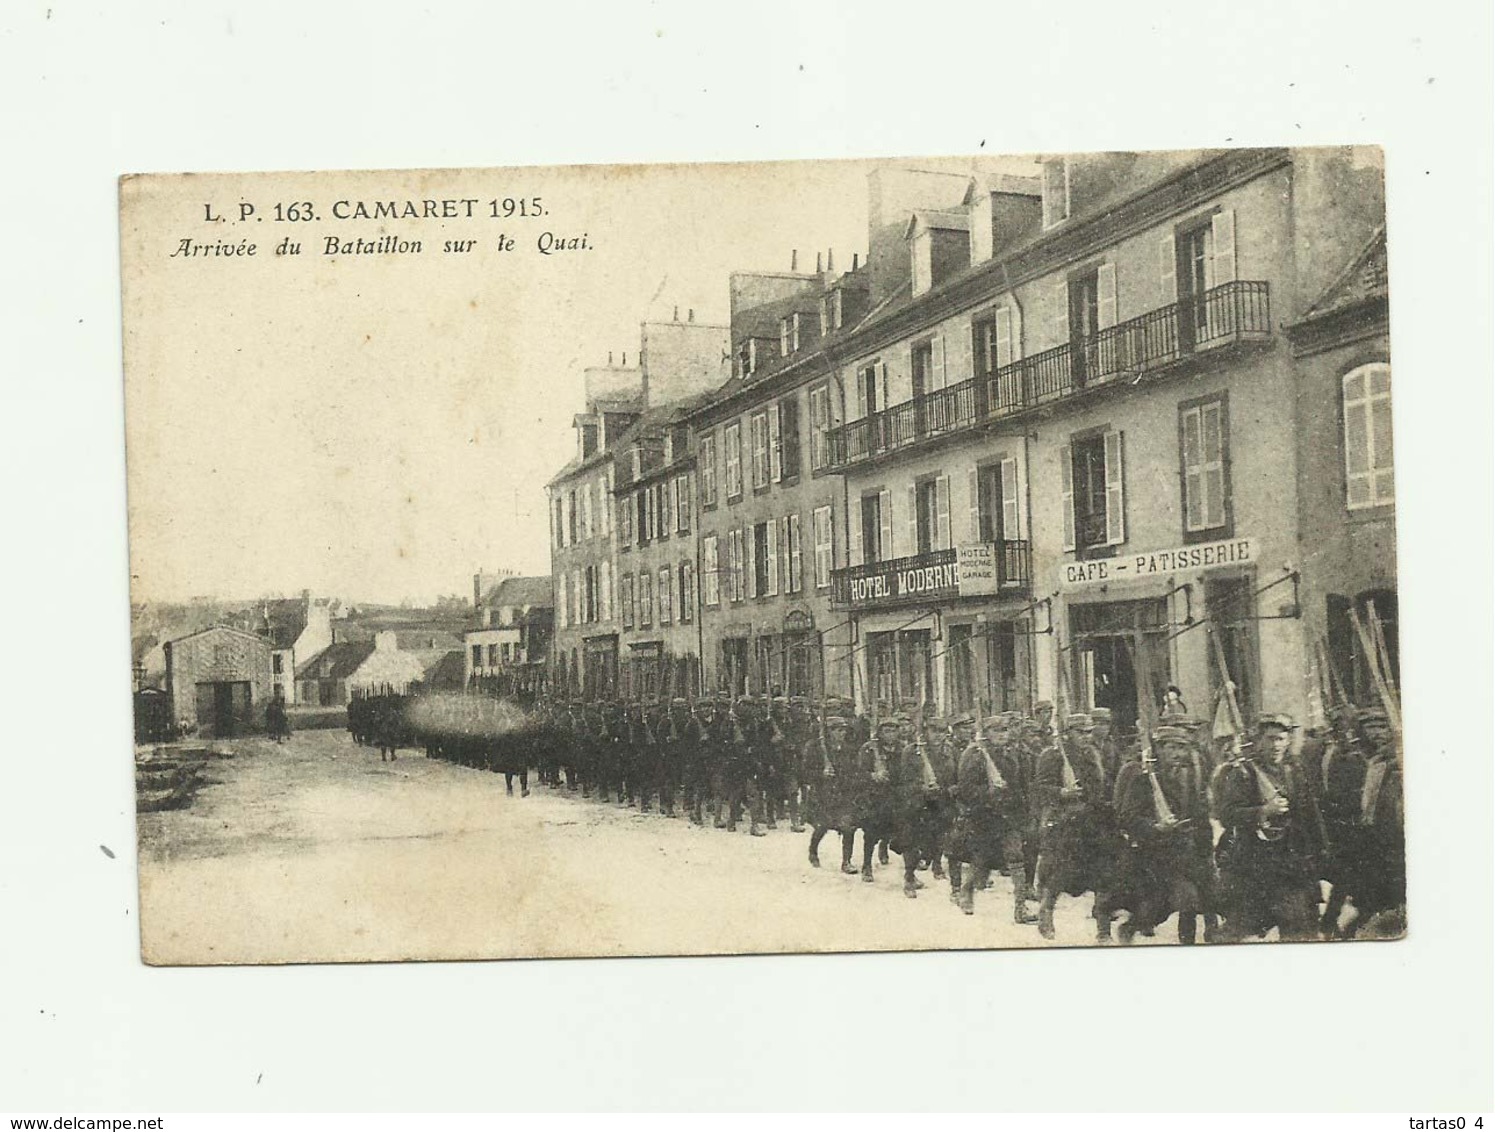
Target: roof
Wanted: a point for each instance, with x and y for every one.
(283, 621)
(337, 661)
(449, 670)
(944, 220)
(520, 591)
(216, 629)
(1363, 279)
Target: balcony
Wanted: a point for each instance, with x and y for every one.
(1226, 315)
(986, 569)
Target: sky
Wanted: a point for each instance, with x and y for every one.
(380, 428)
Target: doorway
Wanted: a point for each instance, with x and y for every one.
(1119, 654)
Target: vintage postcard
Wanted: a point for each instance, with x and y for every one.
(937, 553)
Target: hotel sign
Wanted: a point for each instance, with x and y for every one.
(965, 571)
(1159, 563)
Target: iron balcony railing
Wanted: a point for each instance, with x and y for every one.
(1230, 313)
(930, 576)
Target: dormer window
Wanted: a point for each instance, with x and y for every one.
(786, 334)
(588, 440)
(794, 335)
(1055, 191)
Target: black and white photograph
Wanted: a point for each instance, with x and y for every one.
(834, 556)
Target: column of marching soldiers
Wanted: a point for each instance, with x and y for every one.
(1244, 833)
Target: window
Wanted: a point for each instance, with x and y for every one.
(645, 600)
(641, 517)
(820, 424)
(625, 521)
(877, 526)
(1089, 306)
(682, 503)
(710, 568)
(996, 501)
(492, 656)
(794, 577)
(931, 512)
(651, 513)
(628, 601)
(921, 372)
(560, 523)
(765, 560)
(563, 599)
(992, 342)
(1356, 659)
(477, 656)
(605, 591)
(687, 592)
(732, 441)
(785, 338)
(1202, 434)
(837, 310)
(872, 389)
(1055, 191)
(571, 516)
(1367, 437)
(758, 424)
(1091, 483)
(278, 663)
(707, 470)
(666, 594)
(664, 508)
(825, 557)
(734, 565)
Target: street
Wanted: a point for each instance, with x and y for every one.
(315, 851)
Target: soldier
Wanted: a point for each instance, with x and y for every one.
(918, 826)
(1337, 761)
(1268, 852)
(1379, 882)
(990, 814)
(1103, 740)
(962, 735)
(1162, 805)
(276, 720)
(1076, 830)
(833, 800)
(877, 764)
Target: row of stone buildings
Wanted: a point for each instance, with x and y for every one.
(1118, 424)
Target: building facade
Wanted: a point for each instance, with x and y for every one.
(219, 681)
(1070, 459)
(678, 361)
(515, 622)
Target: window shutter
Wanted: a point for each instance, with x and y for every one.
(773, 557)
(1168, 268)
(937, 363)
(1067, 493)
(1223, 225)
(1004, 337)
(1115, 490)
(1193, 477)
(751, 561)
(885, 524)
(672, 518)
(862, 392)
(796, 553)
(775, 461)
(1011, 526)
(882, 392)
(1105, 296)
(942, 513)
(854, 550)
(912, 547)
(606, 613)
(973, 483)
(962, 370)
(1059, 315)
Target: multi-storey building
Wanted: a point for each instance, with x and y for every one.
(514, 622)
(1069, 452)
(677, 361)
(654, 487)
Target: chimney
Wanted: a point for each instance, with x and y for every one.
(609, 357)
(625, 359)
(794, 259)
(677, 312)
(477, 590)
(855, 257)
(690, 315)
(830, 261)
(819, 263)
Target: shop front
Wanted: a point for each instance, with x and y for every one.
(951, 630)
